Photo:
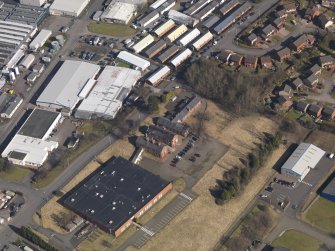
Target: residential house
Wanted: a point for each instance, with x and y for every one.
(283, 54)
(328, 113)
(252, 39)
(327, 62)
(225, 56)
(251, 61)
(290, 8)
(236, 59)
(286, 91)
(312, 13)
(297, 84)
(279, 23)
(315, 70)
(268, 31)
(284, 102)
(159, 134)
(156, 149)
(303, 41)
(301, 106)
(281, 14)
(266, 62)
(315, 111)
(178, 128)
(193, 104)
(324, 21)
(311, 81)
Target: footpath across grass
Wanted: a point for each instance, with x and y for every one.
(116, 30)
(322, 215)
(15, 173)
(297, 241)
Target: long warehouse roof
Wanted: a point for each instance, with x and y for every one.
(133, 60)
(65, 86)
(158, 75)
(190, 36)
(106, 97)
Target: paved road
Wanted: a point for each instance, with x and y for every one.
(287, 223)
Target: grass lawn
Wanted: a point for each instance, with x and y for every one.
(116, 30)
(322, 215)
(297, 241)
(293, 114)
(15, 173)
(122, 64)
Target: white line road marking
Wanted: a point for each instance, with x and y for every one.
(308, 184)
(186, 196)
(147, 231)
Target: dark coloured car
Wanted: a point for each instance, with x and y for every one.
(197, 155)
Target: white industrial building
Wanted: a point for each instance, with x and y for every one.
(202, 41)
(182, 18)
(33, 2)
(27, 61)
(148, 19)
(176, 33)
(40, 39)
(189, 37)
(166, 6)
(181, 57)
(143, 43)
(107, 96)
(30, 146)
(118, 12)
(63, 90)
(302, 160)
(155, 78)
(135, 61)
(164, 28)
(157, 4)
(68, 7)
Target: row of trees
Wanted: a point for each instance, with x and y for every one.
(236, 178)
(238, 92)
(28, 234)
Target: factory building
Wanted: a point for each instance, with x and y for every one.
(155, 49)
(23, 14)
(176, 33)
(116, 195)
(68, 8)
(189, 37)
(182, 18)
(169, 53)
(31, 146)
(135, 61)
(166, 6)
(33, 2)
(158, 76)
(210, 22)
(62, 93)
(9, 104)
(202, 41)
(27, 61)
(148, 19)
(143, 43)
(302, 160)
(40, 39)
(181, 58)
(205, 12)
(118, 12)
(105, 99)
(157, 4)
(164, 28)
(329, 191)
(196, 7)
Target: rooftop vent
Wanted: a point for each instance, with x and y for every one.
(92, 211)
(72, 199)
(110, 222)
(101, 196)
(113, 208)
(138, 189)
(121, 179)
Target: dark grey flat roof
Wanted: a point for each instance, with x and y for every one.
(114, 193)
(330, 188)
(38, 123)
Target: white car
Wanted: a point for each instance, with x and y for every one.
(331, 155)
(215, 42)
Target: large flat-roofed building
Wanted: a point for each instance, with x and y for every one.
(69, 8)
(30, 146)
(107, 96)
(158, 76)
(329, 191)
(118, 12)
(33, 2)
(116, 194)
(135, 61)
(24, 14)
(302, 160)
(62, 93)
(182, 18)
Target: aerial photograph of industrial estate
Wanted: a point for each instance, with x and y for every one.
(167, 125)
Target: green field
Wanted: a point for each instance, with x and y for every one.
(15, 173)
(116, 30)
(322, 215)
(297, 241)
